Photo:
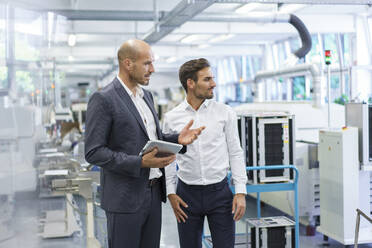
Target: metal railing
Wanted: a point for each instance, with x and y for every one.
(360, 213)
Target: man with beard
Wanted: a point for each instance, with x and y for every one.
(202, 189)
(120, 120)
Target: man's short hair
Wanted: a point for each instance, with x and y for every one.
(189, 70)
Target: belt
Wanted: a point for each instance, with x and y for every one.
(208, 186)
(153, 182)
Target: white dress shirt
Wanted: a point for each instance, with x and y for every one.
(147, 118)
(217, 148)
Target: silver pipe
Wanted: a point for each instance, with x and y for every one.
(300, 69)
(156, 15)
(341, 62)
(217, 17)
(329, 94)
(334, 2)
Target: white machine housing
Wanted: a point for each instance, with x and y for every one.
(360, 115)
(343, 187)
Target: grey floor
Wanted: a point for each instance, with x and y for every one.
(25, 225)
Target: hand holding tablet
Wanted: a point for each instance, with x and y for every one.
(165, 149)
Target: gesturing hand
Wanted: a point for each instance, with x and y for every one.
(238, 207)
(187, 135)
(149, 160)
(176, 203)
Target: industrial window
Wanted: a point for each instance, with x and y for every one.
(256, 64)
(3, 68)
(335, 87)
(347, 84)
(345, 42)
(329, 43)
(246, 67)
(298, 88)
(28, 34)
(24, 82)
(314, 55)
(3, 77)
(294, 44)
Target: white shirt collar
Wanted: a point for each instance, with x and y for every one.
(205, 104)
(139, 90)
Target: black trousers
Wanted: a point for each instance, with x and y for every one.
(214, 202)
(137, 230)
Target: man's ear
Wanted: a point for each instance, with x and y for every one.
(127, 63)
(190, 84)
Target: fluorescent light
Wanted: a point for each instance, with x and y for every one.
(50, 25)
(259, 14)
(72, 40)
(156, 56)
(34, 27)
(247, 8)
(190, 38)
(71, 58)
(222, 37)
(171, 59)
(290, 8)
(202, 46)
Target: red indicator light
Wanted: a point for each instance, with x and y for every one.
(327, 57)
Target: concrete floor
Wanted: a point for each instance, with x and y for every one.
(28, 209)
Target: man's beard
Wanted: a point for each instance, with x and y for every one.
(203, 97)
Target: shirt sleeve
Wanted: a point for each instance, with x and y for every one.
(170, 170)
(236, 154)
(171, 178)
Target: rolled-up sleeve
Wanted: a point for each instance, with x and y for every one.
(236, 154)
(170, 170)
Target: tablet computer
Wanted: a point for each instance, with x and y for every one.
(165, 148)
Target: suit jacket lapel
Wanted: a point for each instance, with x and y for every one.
(129, 103)
(149, 103)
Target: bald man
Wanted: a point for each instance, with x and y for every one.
(120, 120)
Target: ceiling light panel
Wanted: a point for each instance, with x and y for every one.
(246, 8)
(202, 46)
(221, 38)
(222, 7)
(171, 59)
(172, 38)
(290, 8)
(194, 38)
(71, 40)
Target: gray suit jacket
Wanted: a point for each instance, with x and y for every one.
(114, 136)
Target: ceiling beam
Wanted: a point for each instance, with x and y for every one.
(105, 15)
(80, 75)
(36, 5)
(85, 62)
(183, 12)
(338, 2)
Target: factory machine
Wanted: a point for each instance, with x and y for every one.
(8, 149)
(343, 186)
(79, 111)
(360, 115)
(18, 134)
(267, 138)
(65, 180)
(271, 232)
(80, 185)
(51, 164)
(280, 132)
(345, 176)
